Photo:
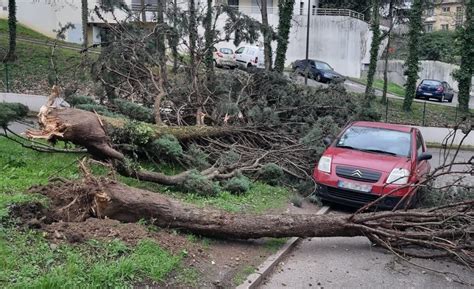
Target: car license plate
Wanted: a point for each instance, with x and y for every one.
(354, 186)
(427, 93)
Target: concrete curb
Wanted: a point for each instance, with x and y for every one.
(264, 270)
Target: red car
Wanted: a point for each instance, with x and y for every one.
(371, 159)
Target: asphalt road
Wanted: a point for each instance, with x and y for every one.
(359, 88)
(354, 263)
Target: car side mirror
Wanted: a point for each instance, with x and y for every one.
(327, 141)
(424, 157)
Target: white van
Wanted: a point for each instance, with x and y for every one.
(250, 56)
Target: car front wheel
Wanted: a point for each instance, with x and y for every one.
(318, 78)
(441, 99)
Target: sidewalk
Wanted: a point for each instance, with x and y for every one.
(437, 134)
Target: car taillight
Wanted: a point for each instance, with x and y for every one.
(440, 89)
(219, 54)
(256, 60)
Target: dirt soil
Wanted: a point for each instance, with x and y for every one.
(220, 263)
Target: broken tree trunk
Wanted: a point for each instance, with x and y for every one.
(89, 130)
(443, 231)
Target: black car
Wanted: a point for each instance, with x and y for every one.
(430, 88)
(318, 70)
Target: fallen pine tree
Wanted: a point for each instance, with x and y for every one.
(444, 231)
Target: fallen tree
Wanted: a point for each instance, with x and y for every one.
(444, 231)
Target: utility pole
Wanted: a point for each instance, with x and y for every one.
(307, 39)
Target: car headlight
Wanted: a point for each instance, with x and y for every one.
(324, 164)
(398, 176)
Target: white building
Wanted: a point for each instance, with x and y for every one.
(339, 37)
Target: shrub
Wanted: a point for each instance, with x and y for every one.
(134, 110)
(237, 185)
(271, 173)
(297, 200)
(196, 158)
(198, 184)
(324, 127)
(80, 99)
(100, 109)
(167, 146)
(11, 111)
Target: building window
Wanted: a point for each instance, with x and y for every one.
(428, 27)
(445, 9)
(301, 8)
(429, 12)
(313, 10)
(444, 26)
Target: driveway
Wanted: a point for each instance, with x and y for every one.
(360, 88)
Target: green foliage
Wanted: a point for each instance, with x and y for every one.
(324, 127)
(167, 146)
(27, 260)
(10, 112)
(411, 63)
(374, 51)
(136, 133)
(466, 70)
(196, 158)
(200, 185)
(237, 185)
(432, 197)
(134, 111)
(75, 100)
(285, 16)
(271, 173)
(297, 200)
(100, 109)
(439, 46)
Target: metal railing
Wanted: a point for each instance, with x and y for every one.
(339, 12)
(253, 9)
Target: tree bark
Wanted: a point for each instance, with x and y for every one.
(267, 35)
(466, 70)
(285, 15)
(387, 51)
(84, 16)
(128, 204)
(209, 37)
(142, 4)
(11, 55)
(374, 51)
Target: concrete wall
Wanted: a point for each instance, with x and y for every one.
(340, 41)
(429, 70)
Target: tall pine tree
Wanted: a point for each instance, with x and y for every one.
(285, 13)
(466, 70)
(11, 55)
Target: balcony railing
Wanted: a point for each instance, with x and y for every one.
(303, 11)
(340, 12)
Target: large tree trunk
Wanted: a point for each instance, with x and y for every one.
(374, 51)
(267, 35)
(128, 204)
(11, 55)
(447, 229)
(84, 16)
(285, 15)
(387, 52)
(466, 70)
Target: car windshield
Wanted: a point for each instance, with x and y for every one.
(376, 140)
(431, 82)
(323, 66)
(226, 50)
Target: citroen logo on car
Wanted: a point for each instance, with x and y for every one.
(356, 173)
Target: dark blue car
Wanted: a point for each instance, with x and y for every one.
(430, 88)
(317, 70)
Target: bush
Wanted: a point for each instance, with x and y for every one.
(11, 111)
(324, 127)
(431, 197)
(167, 146)
(196, 158)
(100, 109)
(271, 173)
(134, 111)
(237, 185)
(80, 99)
(198, 184)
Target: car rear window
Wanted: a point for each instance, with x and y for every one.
(226, 50)
(431, 82)
(376, 139)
